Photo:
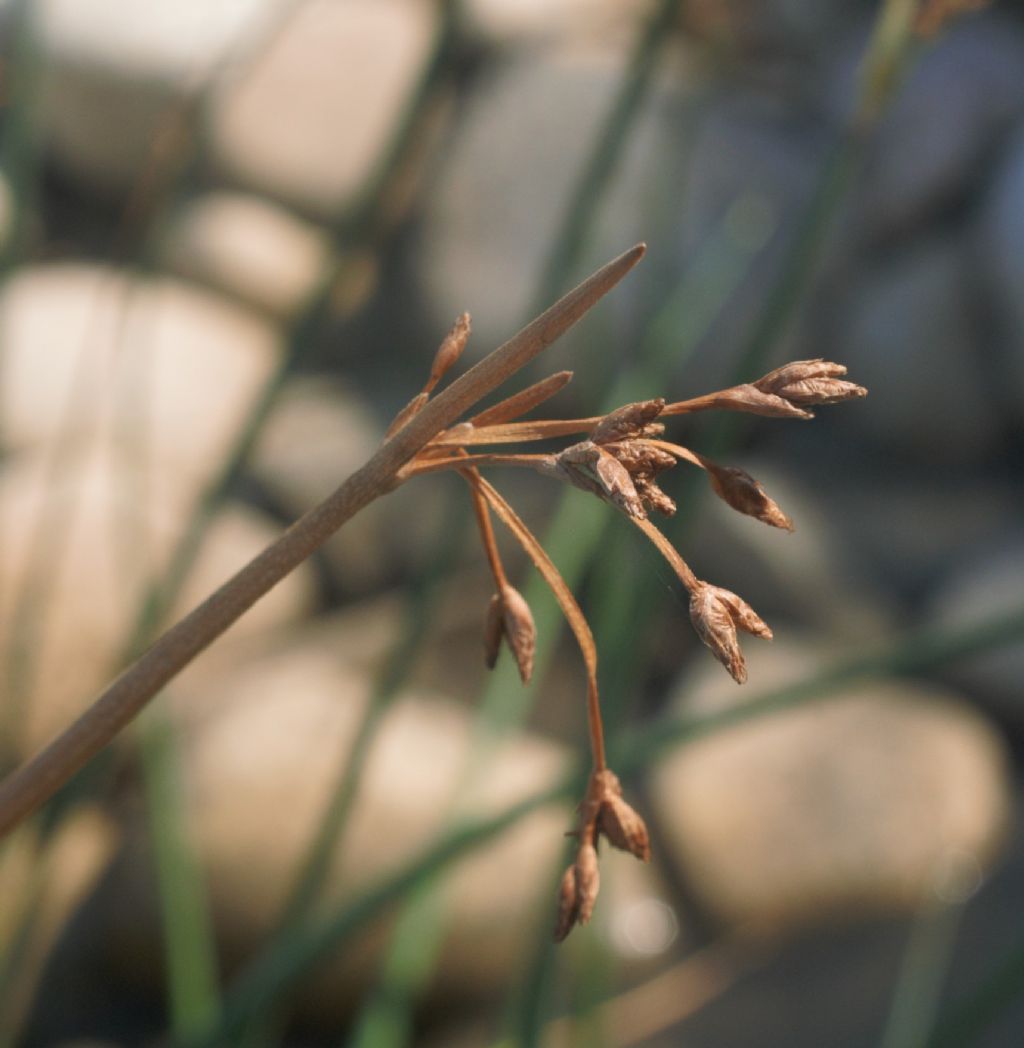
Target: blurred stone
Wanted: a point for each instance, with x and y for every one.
(163, 371)
(961, 94)
(115, 74)
(869, 801)
(507, 179)
(984, 585)
(928, 523)
(906, 330)
(248, 248)
(530, 20)
(808, 575)
(1000, 254)
(81, 542)
(314, 113)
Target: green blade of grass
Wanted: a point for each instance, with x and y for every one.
(189, 948)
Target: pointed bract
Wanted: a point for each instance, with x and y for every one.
(593, 469)
(741, 491)
(568, 904)
(520, 631)
(628, 421)
(716, 614)
(588, 881)
(624, 828)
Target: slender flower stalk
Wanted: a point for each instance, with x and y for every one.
(621, 458)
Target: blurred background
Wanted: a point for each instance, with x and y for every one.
(232, 235)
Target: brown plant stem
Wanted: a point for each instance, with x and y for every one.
(38, 779)
(566, 601)
(483, 520)
(669, 552)
(541, 463)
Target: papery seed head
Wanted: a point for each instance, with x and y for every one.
(450, 350)
(653, 497)
(593, 469)
(714, 624)
(741, 491)
(627, 421)
(821, 391)
(757, 402)
(743, 615)
(624, 828)
(588, 881)
(568, 904)
(520, 631)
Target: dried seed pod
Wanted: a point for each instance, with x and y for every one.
(593, 469)
(757, 402)
(639, 456)
(520, 631)
(717, 614)
(653, 497)
(737, 487)
(588, 881)
(449, 351)
(628, 421)
(624, 828)
(568, 904)
(805, 382)
(509, 616)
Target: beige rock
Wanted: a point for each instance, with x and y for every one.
(248, 248)
(320, 433)
(871, 800)
(310, 118)
(79, 547)
(164, 372)
(546, 19)
(114, 72)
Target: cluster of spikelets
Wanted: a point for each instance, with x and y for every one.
(620, 460)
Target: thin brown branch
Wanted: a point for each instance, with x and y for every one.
(525, 400)
(541, 463)
(669, 552)
(38, 779)
(566, 601)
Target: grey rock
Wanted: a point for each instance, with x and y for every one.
(982, 587)
(960, 96)
(906, 330)
(999, 244)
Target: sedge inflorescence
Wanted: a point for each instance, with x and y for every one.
(620, 459)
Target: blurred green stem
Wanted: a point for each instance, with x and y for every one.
(188, 938)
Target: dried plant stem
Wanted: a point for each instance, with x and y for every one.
(418, 468)
(668, 551)
(574, 616)
(483, 520)
(38, 779)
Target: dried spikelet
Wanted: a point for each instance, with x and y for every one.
(588, 881)
(509, 616)
(449, 351)
(593, 469)
(717, 614)
(628, 421)
(741, 491)
(568, 904)
(756, 402)
(807, 382)
(520, 631)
